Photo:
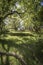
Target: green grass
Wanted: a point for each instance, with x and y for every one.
(22, 45)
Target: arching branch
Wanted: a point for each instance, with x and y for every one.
(14, 55)
(12, 12)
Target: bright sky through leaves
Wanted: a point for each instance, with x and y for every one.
(17, 5)
(41, 3)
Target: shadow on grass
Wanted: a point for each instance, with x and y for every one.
(27, 50)
(18, 34)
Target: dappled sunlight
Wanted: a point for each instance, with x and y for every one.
(21, 32)
(20, 39)
(24, 46)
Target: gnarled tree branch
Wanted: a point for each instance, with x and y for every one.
(12, 12)
(14, 55)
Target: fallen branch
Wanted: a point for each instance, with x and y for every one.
(14, 55)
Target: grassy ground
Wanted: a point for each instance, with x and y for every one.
(25, 46)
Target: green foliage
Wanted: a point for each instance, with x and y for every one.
(29, 10)
(16, 18)
(40, 14)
